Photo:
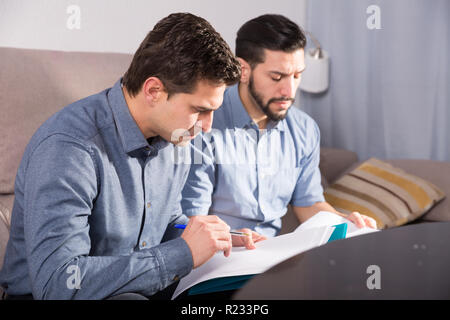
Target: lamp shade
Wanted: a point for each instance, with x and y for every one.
(316, 75)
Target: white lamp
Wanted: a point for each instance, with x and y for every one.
(316, 75)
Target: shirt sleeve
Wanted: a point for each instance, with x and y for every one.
(178, 217)
(308, 189)
(60, 190)
(199, 187)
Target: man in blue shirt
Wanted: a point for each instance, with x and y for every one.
(98, 190)
(261, 154)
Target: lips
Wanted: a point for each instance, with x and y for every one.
(283, 104)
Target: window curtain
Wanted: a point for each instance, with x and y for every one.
(389, 87)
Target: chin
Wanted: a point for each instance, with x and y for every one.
(278, 116)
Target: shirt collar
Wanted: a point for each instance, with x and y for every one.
(131, 136)
(240, 116)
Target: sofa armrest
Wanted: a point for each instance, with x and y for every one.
(334, 161)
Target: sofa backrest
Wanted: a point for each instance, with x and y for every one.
(34, 84)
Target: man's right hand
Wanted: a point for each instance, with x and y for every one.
(205, 235)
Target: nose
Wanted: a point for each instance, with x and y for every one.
(206, 120)
(288, 87)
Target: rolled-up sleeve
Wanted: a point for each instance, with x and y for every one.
(60, 193)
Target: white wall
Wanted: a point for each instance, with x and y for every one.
(120, 25)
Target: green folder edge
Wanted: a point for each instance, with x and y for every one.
(236, 282)
(340, 232)
(220, 284)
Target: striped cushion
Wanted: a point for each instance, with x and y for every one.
(388, 194)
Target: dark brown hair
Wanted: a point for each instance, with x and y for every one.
(270, 31)
(181, 50)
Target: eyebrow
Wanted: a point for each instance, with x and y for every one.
(201, 108)
(286, 74)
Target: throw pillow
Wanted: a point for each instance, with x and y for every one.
(386, 193)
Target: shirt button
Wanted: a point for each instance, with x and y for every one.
(144, 243)
(149, 204)
(176, 278)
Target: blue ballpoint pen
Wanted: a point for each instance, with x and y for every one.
(235, 233)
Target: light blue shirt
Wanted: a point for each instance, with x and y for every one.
(248, 177)
(95, 204)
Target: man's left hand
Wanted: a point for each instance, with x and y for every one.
(247, 241)
(361, 220)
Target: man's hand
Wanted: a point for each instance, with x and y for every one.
(205, 235)
(247, 241)
(360, 220)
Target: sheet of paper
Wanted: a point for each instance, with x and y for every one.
(312, 233)
(267, 254)
(325, 218)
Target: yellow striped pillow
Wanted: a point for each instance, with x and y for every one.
(388, 194)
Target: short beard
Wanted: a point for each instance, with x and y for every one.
(265, 108)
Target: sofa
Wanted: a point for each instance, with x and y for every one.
(34, 84)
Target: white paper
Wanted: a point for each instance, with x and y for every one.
(325, 218)
(266, 254)
(312, 233)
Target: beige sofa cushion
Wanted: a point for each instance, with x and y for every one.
(438, 173)
(34, 84)
(4, 236)
(388, 194)
(6, 204)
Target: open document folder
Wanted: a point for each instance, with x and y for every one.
(234, 270)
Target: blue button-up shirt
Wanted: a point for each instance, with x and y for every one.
(248, 176)
(95, 204)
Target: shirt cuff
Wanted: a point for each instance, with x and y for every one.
(307, 201)
(175, 259)
(196, 212)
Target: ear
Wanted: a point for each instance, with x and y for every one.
(245, 70)
(153, 89)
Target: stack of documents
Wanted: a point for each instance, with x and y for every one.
(244, 263)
